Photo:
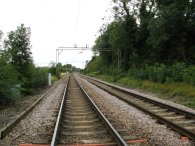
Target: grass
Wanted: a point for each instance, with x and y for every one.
(181, 93)
(54, 79)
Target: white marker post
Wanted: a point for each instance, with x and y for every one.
(49, 79)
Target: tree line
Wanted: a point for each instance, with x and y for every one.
(146, 33)
(18, 74)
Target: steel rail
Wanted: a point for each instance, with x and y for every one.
(55, 134)
(178, 110)
(174, 126)
(120, 141)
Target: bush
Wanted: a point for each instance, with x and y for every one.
(8, 78)
(96, 64)
(177, 71)
(189, 75)
(54, 78)
(40, 78)
(161, 73)
(157, 73)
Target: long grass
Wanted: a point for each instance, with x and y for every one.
(54, 79)
(181, 93)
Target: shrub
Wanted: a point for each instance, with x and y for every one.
(177, 71)
(8, 78)
(161, 73)
(40, 78)
(189, 75)
(156, 73)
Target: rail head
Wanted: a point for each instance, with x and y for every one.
(55, 133)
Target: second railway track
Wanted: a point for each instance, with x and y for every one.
(180, 120)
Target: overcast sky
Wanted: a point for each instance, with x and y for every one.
(56, 23)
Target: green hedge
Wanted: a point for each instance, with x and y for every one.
(178, 72)
(8, 78)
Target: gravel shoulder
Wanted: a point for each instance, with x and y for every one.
(136, 121)
(10, 113)
(38, 120)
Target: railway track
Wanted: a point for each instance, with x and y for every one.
(179, 120)
(80, 122)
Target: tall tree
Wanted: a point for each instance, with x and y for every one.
(102, 43)
(146, 13)
(18, 49)
(168, 32)
(190, 31)
(126, 10)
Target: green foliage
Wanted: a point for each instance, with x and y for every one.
(17, 71)
(156, 73)
(177, 92)
(69, 68)
(149, 32)
(161, 73)
(156, 39)
(118, 36)
(172, 42)
(95, 65)
(54, 78)
(40, 77)
(177, 72)
(17, 46)
(52, 68)
(59, 70)
(8, 78)
(189, 75)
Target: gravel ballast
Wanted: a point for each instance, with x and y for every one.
(41, 119)
(151, 96)
(136, 121)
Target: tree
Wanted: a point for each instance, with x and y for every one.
(102, 43)
(190, 31)
(18, 47)
(147, 32)
(126, 11)
(169, 33)
(52, 68)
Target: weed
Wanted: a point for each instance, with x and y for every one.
(181, 93)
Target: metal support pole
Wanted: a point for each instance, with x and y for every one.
(49, 79)
(60, 49)
(56, 61)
